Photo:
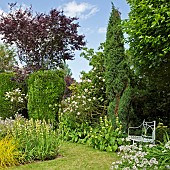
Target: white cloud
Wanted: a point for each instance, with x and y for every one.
(2, 12)
(81, 10)
(85, 31)
(102, 30)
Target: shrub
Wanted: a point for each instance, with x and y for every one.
(72, 130)
(9, 153)
(6, 85)
(45, 91)
(88, 101)
(101, 136)
(104, 137)
(37, 140)
(18, 100)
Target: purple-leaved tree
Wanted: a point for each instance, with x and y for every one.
(43, 41)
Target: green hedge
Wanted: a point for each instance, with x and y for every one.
(45, 91)
(6, 85)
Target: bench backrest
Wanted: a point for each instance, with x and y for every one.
(149, 129)
(143, 132)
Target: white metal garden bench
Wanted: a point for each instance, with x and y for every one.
(143, 133)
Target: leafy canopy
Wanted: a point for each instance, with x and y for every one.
(43, 40)
(148, 29)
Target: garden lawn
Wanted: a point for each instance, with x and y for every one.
(74, 157)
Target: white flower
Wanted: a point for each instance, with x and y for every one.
(134, 167)
(78, 113)
(86, 90)
(84, 102)
(116, 166)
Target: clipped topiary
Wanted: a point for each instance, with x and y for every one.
(45, 91)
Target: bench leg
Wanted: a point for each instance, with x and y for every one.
(133, 142)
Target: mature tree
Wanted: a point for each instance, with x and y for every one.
(116, 77)
(148, 29)
(43, 40)
(7, 58)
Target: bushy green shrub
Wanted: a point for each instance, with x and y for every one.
(103, 136)
(45, 91)
(18, 100)
(6, 85)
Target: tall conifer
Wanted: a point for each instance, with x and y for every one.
(116, 76)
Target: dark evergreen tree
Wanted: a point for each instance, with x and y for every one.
(115, 63)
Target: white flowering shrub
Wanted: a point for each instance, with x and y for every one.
(88, 101)
(18, 100)
(143, 157)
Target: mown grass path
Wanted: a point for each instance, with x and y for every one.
(74, 157)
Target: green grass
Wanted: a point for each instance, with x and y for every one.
(74, 157)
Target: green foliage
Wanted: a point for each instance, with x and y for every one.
(88, 101)
(18, 100)
(148, 30)
(162, 133)
(36, 139)
(72, 130)
(115, 63)
(7, 58)
(45, 91)
(9, 153)
(102, 136)
(6, 85)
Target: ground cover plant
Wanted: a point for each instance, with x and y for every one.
(143, 157)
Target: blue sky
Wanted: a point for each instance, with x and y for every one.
(93, 19)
